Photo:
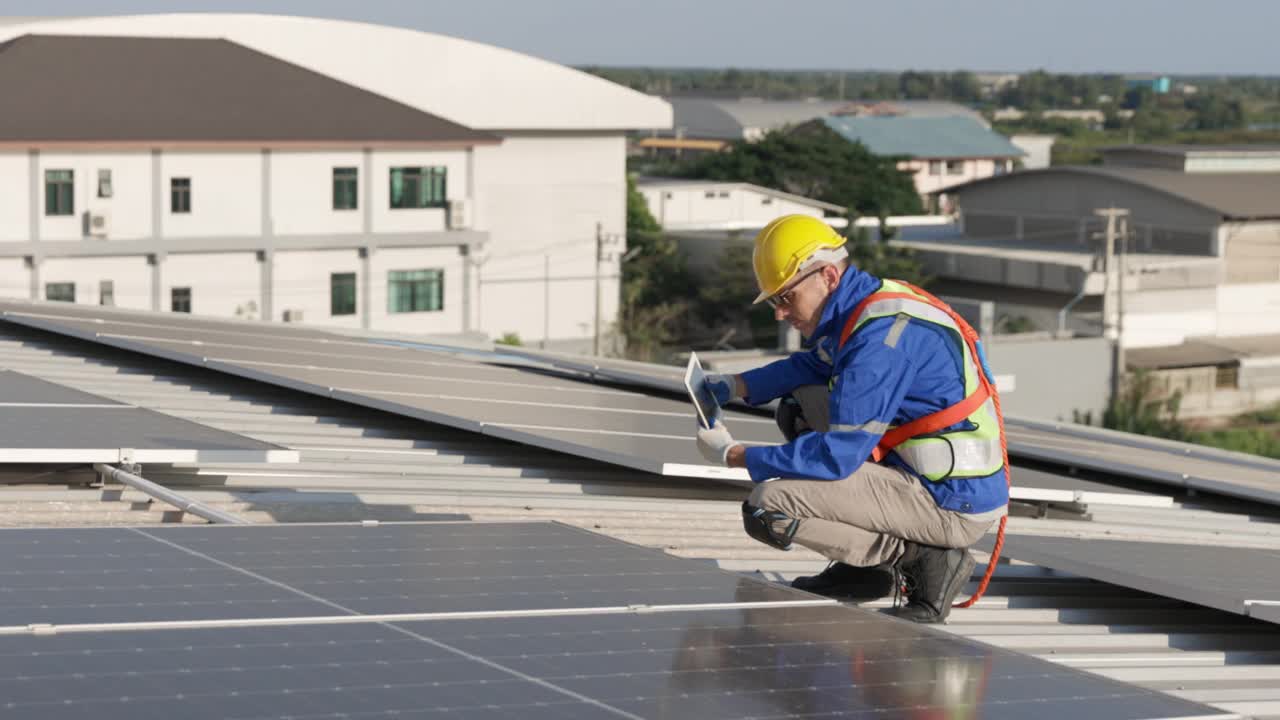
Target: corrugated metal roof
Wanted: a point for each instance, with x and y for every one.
(359, 464)
(728, 117)
(925, 137)
(1238, 196)
(115, 89)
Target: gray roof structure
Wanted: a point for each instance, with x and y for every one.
(1234, 196)
(137, 90)
(1197, 352)
(364, 465)
(729, 118)
(925, 137)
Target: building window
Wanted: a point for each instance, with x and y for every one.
(107, 293)
(180, 195)
(60, 292)
(415, 291)
(766, 201)
(955, 167)
(105, 190)
(180, 299)
(935, 167)
(342, 294)
(345, 184)
(417, 187)
(1227, 377)
(710, 194)
(1000, 167)
(59, 192)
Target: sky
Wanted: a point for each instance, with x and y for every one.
(1165, 36)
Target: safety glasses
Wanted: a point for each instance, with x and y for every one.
(784, 299)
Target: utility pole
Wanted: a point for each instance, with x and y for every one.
(595, 327)
(604, 242)
(1113, 292)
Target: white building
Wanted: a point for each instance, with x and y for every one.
(711, 205)
(227, 190)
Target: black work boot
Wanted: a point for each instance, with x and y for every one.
(849, 582)
(933, 577)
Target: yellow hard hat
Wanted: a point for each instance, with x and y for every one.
(788, 245)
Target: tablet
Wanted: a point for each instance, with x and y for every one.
(695, 381)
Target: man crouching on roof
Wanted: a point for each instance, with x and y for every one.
(895, 459)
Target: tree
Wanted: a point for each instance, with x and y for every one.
(814, 161)
(655, 283)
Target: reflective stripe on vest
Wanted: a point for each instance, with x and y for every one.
(938, 455)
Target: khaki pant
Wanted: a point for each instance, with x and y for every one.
(866, 518)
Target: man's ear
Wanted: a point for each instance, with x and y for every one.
(831, 276)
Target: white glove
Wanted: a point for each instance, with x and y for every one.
(723, 387)
(714, 443)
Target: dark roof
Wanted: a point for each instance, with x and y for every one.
(127, 90)
(1198, 352)
(1235, 196)
(924, 137)
(1184, 150)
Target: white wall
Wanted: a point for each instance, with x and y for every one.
(385, 219)
(448, 320)
(131, 277)
(1252, 309)
(129, 205)
(545, 195)
(677, 207)
(302, 193)
(301, 282)
(220, 282)
(15, 199)
(15, 278)
(226, 194)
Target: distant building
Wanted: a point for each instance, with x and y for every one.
(730, 120)
(308, 170)
(711, 205)
(939, 152)
(1159, 84)
(1202, 261)
(1038, 149)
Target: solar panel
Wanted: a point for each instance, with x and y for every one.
(121, 575)
(1179, 465)
(436, 387)
(1236, 579)
(827, 662)
(787, 658)
(43, 422)
(452, 567)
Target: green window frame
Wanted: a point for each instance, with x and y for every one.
(342, 294)
(415, 291)
(346, 185)
(59, 192)
(60, 292)
(418, 187)
(180, 299)
(180, 195)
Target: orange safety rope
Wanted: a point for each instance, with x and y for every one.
(948, 416)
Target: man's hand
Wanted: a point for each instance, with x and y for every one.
(724, 387)
(715, 443)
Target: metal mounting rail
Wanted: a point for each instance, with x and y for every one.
(164, 494)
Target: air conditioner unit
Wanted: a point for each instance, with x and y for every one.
(459, 215)
(293, 316)
(97, 223)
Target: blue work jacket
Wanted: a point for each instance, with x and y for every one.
(875, 382)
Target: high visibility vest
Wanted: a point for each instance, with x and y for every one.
(922, 444)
